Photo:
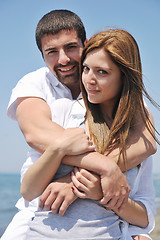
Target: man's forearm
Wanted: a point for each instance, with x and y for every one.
(34, 118)
(96, 162)
(92, 161)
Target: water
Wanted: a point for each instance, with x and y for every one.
(10, 193)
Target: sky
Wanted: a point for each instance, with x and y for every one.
(19, 54)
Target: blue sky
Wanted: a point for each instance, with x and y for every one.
(19, 54)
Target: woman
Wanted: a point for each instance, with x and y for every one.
(112, 92)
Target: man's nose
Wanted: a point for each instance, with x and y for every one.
(63, 59)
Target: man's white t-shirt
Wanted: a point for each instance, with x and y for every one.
(42, 84)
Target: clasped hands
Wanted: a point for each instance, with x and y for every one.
(108, 185)
(110, 191)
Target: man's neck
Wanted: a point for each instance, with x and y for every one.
(75, 90)
(75, 94)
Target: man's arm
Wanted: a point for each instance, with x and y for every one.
(35, 121)
(140, 144)
(34, 118)
(73, 141)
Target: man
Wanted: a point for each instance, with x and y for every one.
(60, 37)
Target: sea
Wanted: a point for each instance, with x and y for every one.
(10, 193)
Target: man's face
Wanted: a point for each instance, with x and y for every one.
(62, 53)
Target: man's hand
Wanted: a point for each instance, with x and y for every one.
(112, 188)
(115, 187)
(74, 141)
(58, 196)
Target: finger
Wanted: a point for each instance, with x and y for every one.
(111, 204)
(90, 143)
(84, 176)
(43, 198)
(123, 204)
(78, 193)
(105, 200)
(91, 147)
(119, 203)
(56, 204)
(63, 208)
(87, 174)
(125, 195)
(78, 184)
(65, 204)
(49, 201)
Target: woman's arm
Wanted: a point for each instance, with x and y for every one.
(58, 196)
(134, 212)
(40, 173)
(73, 141)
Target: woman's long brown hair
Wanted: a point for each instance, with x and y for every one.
(124, 52)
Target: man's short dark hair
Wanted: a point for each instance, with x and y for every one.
(56, 21)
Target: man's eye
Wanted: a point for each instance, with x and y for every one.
(52, 52)
(70, 47)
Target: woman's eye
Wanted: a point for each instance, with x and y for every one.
(85, 69)
(102, 72)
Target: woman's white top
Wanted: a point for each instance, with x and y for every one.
(87, 219)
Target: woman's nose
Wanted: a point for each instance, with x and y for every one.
(91, 79)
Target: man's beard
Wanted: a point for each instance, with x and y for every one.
(69, 79)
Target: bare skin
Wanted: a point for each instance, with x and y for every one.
(134, 212)
(73, 141)
(61, 53)
(140, 238)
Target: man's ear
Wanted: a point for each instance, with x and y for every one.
(42, 55)
(85, 41)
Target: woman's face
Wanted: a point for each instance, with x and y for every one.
(102, 79)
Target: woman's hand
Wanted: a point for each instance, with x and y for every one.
(86, 184)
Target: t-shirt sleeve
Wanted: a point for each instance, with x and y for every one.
(145, 194)
(29, 86)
